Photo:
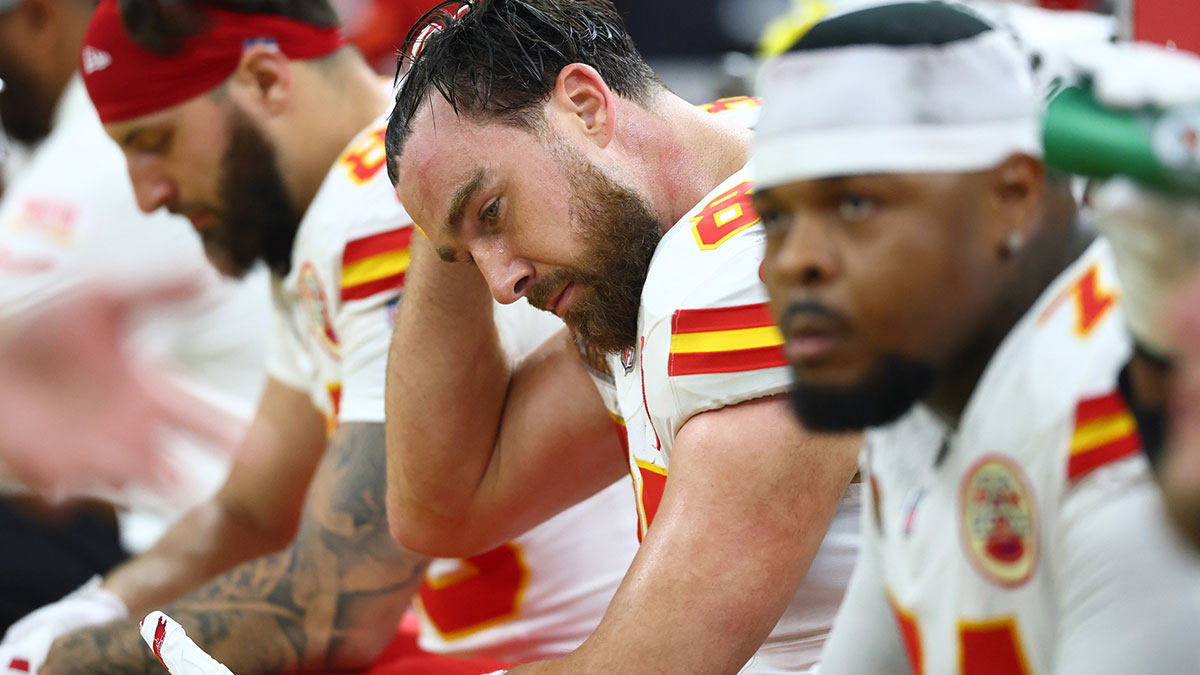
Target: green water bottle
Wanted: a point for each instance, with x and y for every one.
(1159, 148)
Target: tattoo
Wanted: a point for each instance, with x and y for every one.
(342, 584)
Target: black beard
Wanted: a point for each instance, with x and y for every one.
(890, 389)
(621, 234)
(26, 117)
(258, 221)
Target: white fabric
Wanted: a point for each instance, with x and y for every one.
(30, 637)
(169, 641)
(1102, 551)
(877, 109)
(571, 565)
(654, 405)
(68, 217)
(1132, 75)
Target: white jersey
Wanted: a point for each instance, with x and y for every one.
(707, 340)
(68, 218)
(1031, 539)
(538, 596)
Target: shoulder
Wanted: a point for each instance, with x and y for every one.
(710, 258)
(356, 228)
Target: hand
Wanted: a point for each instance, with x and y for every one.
(29, 639)
(1136, 74)
(76, 411)
(1156, 242)
(175, 649)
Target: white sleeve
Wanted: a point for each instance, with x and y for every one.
(287, 362)
(364, 328)
(1129, 592)
(865, 638)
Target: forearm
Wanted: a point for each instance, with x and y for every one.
(330, 601)
(447, 379)
(207, 541)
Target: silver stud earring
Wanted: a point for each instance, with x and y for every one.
(1014, 243)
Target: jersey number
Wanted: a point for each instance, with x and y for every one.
(486, 591)
(1091, 302)
(990, 647)
(366, 158)
(726, 215)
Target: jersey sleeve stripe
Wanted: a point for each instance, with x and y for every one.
(370, 288)
(375, 244)
(375, 264)
(724, 340)
(721, 318)
(699, 363)
(1105, 431)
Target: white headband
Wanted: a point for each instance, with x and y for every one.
(963, 106)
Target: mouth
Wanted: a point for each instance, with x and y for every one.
(200, 219)
(563, 300)
(811, 339)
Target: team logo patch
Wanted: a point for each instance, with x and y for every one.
(627, 360)
(316, 306)
(999, 521)
(1175, 139)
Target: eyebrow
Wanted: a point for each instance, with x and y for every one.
(458, 203)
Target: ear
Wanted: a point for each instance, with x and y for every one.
(583, 98)
(262, 82)
(1015, 202)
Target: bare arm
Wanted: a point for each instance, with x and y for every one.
(329, 602)
(480, 451)
(254, 513)
(747, 502)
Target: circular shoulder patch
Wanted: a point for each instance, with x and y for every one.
(999, 524)
(316, 306)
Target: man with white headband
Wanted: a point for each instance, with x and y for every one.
(928, 276)
(561, 169)
(254, 120)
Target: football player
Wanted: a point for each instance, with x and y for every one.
(934, 284)
(545, 161)
(256, 122)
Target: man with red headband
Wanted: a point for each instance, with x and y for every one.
(266, 132)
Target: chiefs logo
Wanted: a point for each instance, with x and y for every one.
(627, 359)
(313, 300)
(999, 521)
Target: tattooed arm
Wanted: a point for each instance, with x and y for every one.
(330, 601)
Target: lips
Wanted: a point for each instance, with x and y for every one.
(811, 337)
(562, 301)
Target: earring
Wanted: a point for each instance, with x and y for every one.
(1014, 243)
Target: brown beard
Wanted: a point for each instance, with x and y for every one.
(257, 220)
(620, 233)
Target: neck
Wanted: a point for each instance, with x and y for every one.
(338, 105)
(684, 153)
(1044, 258)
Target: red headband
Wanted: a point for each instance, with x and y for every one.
(127, 81)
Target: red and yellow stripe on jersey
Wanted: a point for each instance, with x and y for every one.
(724, 340)
(731, 103)
(1105, 431)
(649, 493)
(375, 264)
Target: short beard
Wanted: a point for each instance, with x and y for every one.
(258, 219)
(621, 234)
(890, 389)
(25, 115)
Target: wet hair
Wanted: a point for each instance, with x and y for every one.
(501, 58)
(162, 26)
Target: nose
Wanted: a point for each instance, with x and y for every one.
(152, 185)
(808, 254)
(507, 276)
